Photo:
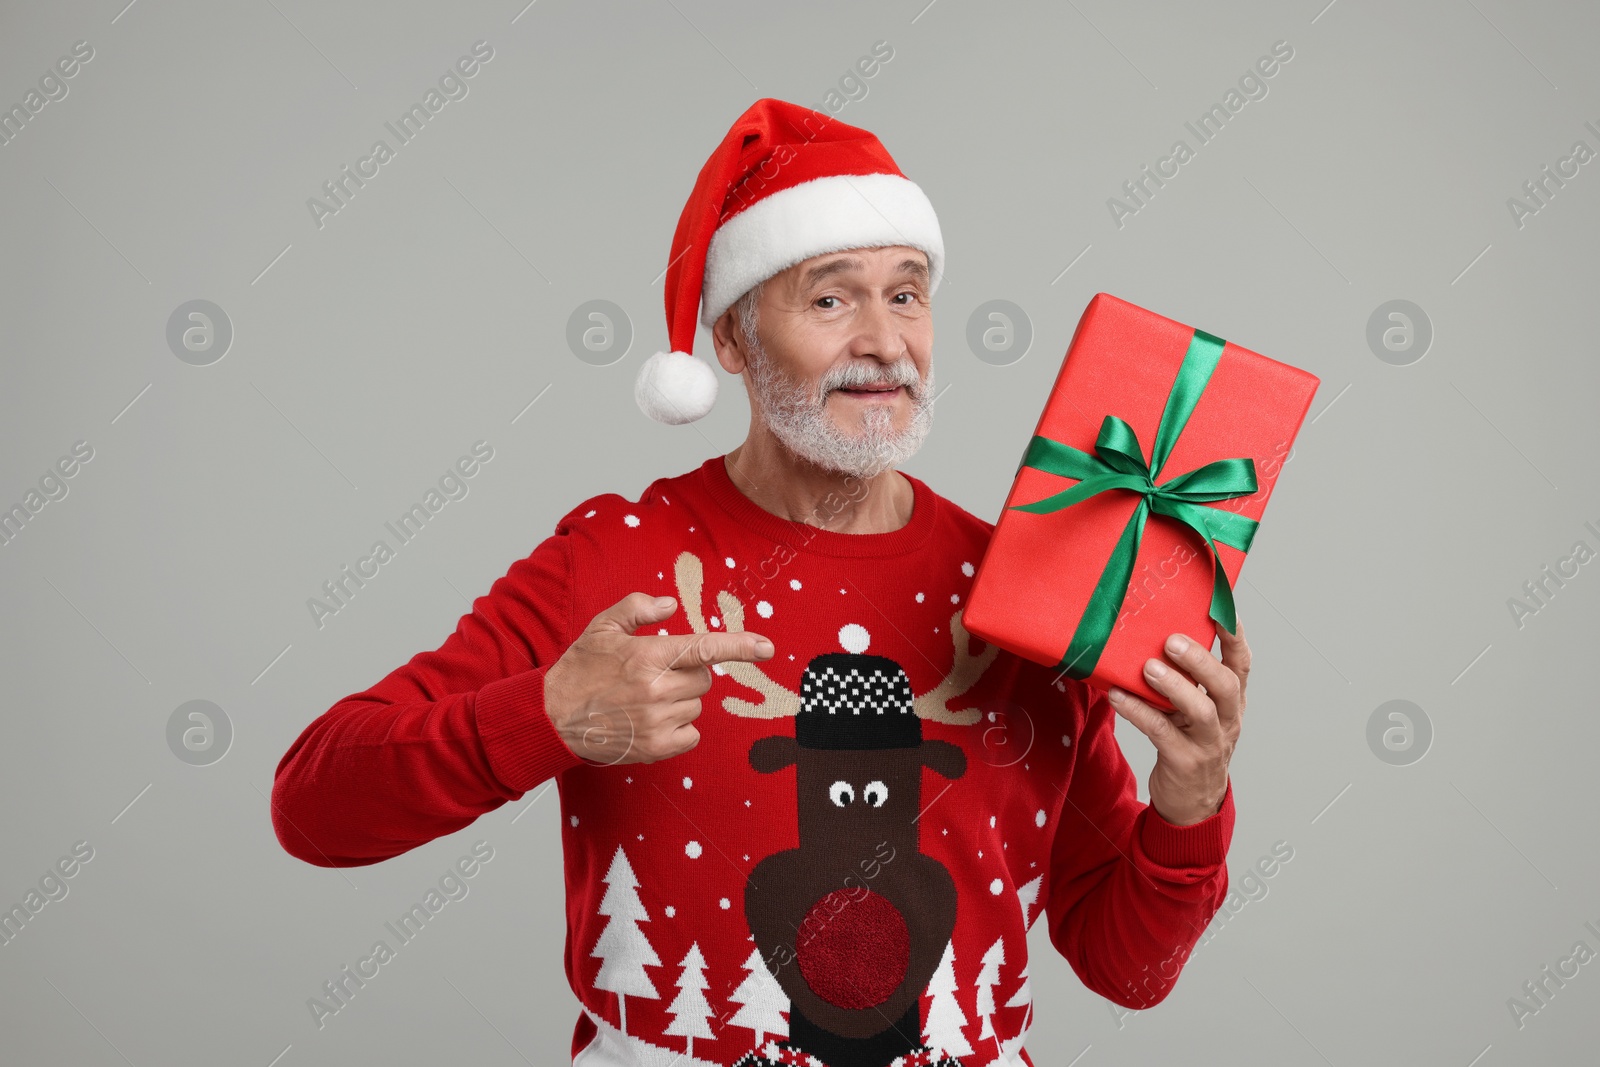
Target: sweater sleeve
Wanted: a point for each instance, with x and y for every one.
(452, 734)
(1130, 893)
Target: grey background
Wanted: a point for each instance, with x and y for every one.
(369, 354)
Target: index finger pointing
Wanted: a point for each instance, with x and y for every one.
(693, 651)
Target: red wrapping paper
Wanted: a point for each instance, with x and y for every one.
(1039, 571)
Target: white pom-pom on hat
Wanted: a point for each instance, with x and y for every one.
(675, 387)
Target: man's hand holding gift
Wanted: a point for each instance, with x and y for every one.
(1195, 741)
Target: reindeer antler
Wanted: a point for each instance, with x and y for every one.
(964, 673)
(779, 702)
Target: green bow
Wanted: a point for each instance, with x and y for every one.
(1120, 464)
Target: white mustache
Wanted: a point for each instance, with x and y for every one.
(849, 380)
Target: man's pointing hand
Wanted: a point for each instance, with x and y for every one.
(619, 698)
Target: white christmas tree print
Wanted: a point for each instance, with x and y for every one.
(988, 977)
(622, 945)
(1028, 896)
(1023, 996)
(763, 1000)
(690, 1009)
(945, 1017)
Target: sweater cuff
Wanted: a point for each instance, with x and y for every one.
(1199, 845)
(518, 737)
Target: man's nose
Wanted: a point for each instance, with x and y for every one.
(879, 334)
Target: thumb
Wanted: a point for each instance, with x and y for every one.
(633, 611)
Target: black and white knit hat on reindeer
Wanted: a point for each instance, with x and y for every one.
(854, 700)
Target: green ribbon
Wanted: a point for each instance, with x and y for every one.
(1119, 463)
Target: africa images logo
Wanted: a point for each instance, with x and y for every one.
(452, 86)
(1252, 85)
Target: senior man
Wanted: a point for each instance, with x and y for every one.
(737, 681)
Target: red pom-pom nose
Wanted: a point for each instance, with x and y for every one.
(853, 950)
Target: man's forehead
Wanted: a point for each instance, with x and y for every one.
(911, 261)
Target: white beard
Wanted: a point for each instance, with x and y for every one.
(799, 418)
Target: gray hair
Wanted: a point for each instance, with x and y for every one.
(747, 308)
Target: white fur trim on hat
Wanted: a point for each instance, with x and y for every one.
(675, 387)
(827, 214)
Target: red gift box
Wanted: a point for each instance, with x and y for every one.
(1035, 590)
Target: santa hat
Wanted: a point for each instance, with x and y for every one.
(786, 183)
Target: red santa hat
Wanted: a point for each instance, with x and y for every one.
(786, 183)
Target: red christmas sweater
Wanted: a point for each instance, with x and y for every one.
(844, 870)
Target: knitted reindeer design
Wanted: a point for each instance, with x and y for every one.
(852, 923)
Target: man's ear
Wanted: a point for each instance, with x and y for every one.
(729, 342)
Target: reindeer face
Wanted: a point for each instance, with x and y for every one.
(857, 909)
(857, 794)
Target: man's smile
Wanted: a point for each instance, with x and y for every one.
(873, 392)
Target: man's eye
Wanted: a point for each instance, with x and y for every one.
(820, 299)
(912, 295)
